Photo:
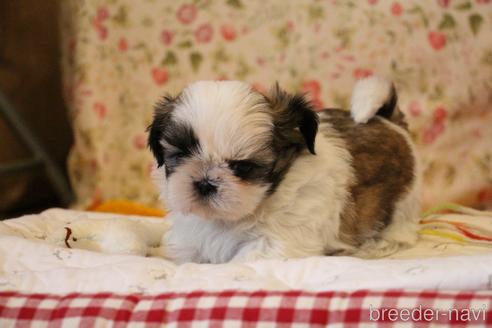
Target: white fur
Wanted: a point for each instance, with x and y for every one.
(225, 117)
(229, 122)
(300, 219)
(242, 222)
(368, 96)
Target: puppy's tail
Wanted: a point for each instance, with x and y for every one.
(375, 96)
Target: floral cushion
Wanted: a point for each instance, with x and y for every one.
(120, 56)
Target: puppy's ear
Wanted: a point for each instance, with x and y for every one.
(296, 122)
(162, 115)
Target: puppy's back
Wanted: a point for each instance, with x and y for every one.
(384, 168)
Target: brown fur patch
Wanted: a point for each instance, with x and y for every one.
(384, 169)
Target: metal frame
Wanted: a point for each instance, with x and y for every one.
(40, 156)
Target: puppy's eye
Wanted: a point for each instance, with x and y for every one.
(242, 168)
(175, 155)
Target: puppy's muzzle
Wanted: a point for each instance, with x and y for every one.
(204, 188)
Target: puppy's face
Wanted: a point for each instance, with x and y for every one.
(225, 147)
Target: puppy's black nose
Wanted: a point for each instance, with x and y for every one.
(204, 187)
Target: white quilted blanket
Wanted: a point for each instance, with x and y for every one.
(34, 258)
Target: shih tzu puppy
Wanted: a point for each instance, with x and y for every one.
(250, 176)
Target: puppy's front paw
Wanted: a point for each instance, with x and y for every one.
(379, 248)
(114, 236)
(257, 250)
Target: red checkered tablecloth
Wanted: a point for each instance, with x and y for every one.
(248, 309)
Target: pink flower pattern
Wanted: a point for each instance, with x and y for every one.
(187, 13)
(140, 141)
(396, 9)
(204, 33)
(167, 37)
(443, 3)
(121, 56)
(123, 45)
(228, 32)
(437, 40)
(100, 110)
(160, 75)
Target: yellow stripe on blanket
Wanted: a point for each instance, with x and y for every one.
(443, 234)
(435, 223)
